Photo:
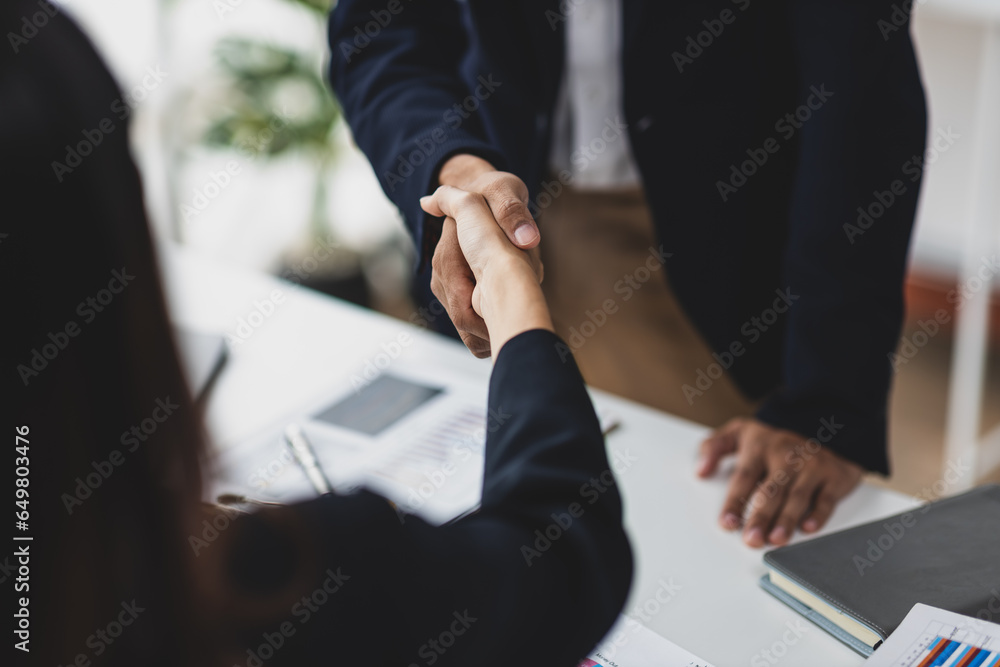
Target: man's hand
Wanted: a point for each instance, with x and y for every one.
(452, 281)
(783, 479)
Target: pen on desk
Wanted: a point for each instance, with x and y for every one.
(233, 500)
(304, 454)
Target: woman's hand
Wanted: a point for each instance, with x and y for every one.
(507, 293)
(452, 281)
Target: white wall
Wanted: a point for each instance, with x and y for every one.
(950, 37)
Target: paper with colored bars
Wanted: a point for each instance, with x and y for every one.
(932, 637)
(631, 644)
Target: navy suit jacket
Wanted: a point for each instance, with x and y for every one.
(780, 146)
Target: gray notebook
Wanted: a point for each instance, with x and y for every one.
(859, 583)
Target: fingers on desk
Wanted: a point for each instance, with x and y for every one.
(804, 490)
(751, 468)
(717, 446)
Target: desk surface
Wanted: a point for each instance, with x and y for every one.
(695, 584)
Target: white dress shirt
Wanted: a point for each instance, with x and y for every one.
(590, 138)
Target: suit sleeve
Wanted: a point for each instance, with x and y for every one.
(854, 200)
(535, 578)
(395, 70)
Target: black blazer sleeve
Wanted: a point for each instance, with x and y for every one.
(854, 199)
(535, 578)
(396, 75)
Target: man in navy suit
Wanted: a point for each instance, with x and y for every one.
(725, 191)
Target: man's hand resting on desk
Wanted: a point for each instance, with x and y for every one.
(504, 288)
(785, 480)
(506, 199)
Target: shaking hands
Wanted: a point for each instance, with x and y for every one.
(487, 283)
(499, 197)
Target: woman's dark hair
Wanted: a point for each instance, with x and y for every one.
(114, 442)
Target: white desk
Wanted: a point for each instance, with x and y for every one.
(718, 611)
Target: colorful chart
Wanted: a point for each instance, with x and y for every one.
(948, 646)
(943, 651)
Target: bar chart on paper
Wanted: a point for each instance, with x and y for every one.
(948, 646)
(936, 638)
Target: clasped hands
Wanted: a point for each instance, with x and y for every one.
(487, 274)
(490, 287)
